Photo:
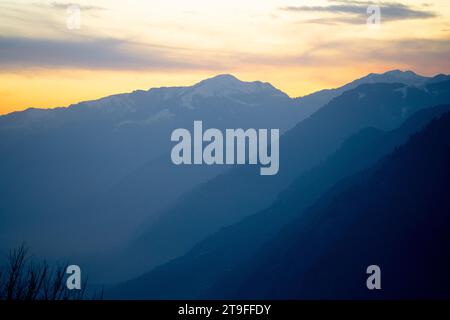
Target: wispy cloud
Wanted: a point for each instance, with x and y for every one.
(18, 53)
(355, 12)
(424, 55)
(65, 5)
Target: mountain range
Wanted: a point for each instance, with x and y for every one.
(223, 253)
(104, 162)
(393, 215)
(94, 183)
(207, 208)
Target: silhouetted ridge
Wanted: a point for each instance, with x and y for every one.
(395, 215)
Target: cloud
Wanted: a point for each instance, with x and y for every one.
(355, 12)
(57, 6)
(23, 54)
(64, 6)
(20, 53)
(424, 55)
(91, 53)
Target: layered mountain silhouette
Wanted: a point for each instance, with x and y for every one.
(394, 215)
(409, 78)
(105, 164)
(94, 181)
(225, 251)
(233, 195)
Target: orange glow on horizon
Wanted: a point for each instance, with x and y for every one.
(121, 48)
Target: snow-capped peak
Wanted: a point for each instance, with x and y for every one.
(228, 86)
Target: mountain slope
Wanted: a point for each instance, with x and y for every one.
(131, 194)
(191, 275)
(395, 215)
(409, 78)
(240, 192)
(65, 167)
(86, 176)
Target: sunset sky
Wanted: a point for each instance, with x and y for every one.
(298, 46)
